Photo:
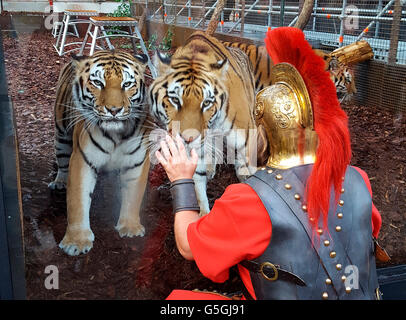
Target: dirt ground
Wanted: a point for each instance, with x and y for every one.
(150, 267)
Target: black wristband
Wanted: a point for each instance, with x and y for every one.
(184, 196)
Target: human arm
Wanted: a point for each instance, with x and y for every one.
(237, 228)
(179, 167)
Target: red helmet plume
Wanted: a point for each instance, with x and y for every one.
(333, 154)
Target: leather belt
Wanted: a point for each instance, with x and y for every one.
(272, 272)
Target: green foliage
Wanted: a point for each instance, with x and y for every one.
(126, 46)
(165, 45)
(123, 10)
(151, 44)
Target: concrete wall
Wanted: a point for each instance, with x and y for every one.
(181, 33)
(42, 6)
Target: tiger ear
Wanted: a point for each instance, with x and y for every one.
(220, 66)
(78, 58)
(162, 63)
(143, 58)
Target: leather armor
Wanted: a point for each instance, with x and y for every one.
(334, 264)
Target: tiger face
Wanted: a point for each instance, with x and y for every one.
(343, 78)
(188, 96)
(109, 88)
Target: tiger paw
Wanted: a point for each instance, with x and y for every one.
(57, 185)
(60, 181)
(130, 230)
(76, 242)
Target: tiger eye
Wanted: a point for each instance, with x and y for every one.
(175, 101)
(206, 103)
(97, 83)
(127, 84)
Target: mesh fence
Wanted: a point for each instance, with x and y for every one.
(332, 24)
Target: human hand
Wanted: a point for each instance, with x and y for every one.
(175, 160)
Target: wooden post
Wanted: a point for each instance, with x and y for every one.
(394, 34)
(305, 12)
(354, 53)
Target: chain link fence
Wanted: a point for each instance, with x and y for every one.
(332, 24)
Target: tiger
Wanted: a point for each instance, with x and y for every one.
(205, 90)
(100, 115)
(341, 74)
(260, 60)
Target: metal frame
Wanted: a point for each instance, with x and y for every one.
(98, 28)
(66, 23)
(335, 39)
(12, 268)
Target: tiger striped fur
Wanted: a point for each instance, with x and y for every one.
(260, 60)
(202, 91)
(99, 125)
(340, 74)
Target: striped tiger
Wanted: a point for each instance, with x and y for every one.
(203, 92)
(260, 60)
(341, 74)
(344, 80)
(99, 125)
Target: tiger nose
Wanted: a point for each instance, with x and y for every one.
(115, 110)
(190, 135)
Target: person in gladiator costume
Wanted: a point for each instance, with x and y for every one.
(304, 225)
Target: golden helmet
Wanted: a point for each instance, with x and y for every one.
(284, 110)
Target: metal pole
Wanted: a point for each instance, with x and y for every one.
(175, 19)
(377, 24)
(239, 20)
(156, 12)
(163, 10)
(189, 13)
(390, 3)
(164, 13)
(315, 15)
(242, 17)
(282, 16)
(222, 20)
(207, 13)
(293, 21)
(342, 18)
(270, 13)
